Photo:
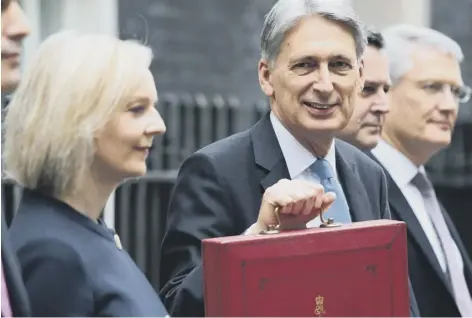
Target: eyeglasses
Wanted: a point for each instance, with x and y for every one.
(460, 93)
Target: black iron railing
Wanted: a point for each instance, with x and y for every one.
(141, 205)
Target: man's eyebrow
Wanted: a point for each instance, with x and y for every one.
(340, 56)
(300, 58)
(375, 83)
(314, 58)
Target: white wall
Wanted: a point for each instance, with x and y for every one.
(50, 16)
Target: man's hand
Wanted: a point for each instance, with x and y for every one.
(296, 202)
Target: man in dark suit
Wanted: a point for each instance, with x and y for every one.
(14, 29)
(427, 88)
(450, 171)
(311, 70)
(365, 126)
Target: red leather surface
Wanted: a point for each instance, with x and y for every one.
(358, 270)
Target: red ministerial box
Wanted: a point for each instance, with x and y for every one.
(358, 269)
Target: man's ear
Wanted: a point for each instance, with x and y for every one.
(361, 76)
(265, 77)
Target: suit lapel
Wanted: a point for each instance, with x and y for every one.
(400, 209)
(465, 257)
(279, 171)
(353, 189)
(267, 154)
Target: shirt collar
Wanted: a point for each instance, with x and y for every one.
(401, 169)
(297, 157)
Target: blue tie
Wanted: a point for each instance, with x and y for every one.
(339, 210)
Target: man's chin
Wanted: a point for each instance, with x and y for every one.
(368, 142)
(325, 126)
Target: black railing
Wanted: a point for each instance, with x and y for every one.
(195, 121)
(141, 205)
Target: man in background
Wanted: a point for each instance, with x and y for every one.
(451, 174)
(14, 29)
(371, 106)
(427, 88)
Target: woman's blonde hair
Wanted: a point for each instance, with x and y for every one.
(71, 89)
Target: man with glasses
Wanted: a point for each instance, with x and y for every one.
(450, 171)
(426, 90)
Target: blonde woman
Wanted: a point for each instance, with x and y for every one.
(81, 121)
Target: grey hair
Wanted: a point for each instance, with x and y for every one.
(285, 15)
(401, 40)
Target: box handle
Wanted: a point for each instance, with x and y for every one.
(275, 228)
(328, 222)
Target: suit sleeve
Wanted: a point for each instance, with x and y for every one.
(55, 280)
(385, 213)
(384, 205)
(199, 208)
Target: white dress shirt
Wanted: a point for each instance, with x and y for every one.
(402, 171)
(298, 158)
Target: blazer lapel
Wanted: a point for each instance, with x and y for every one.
(269, 157)
(400, 206)
(354, 191)
(465, 257)
(267, 154)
